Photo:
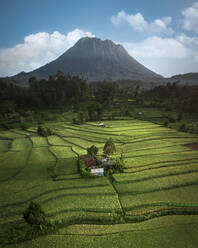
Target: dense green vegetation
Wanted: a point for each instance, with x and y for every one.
(152, 187)
(159, 179)
(172, 105)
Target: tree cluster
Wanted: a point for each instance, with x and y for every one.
(92, 151)
(35, 216)
(173, 97)
(89, 99)
(44, 131)
(109, 147)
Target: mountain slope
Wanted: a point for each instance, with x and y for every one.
(95, 60)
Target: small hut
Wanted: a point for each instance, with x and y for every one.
(101, 124)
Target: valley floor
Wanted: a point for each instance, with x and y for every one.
(154, 203)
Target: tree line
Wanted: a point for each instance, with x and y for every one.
(91, 99)
(58, 91)
(172, 97)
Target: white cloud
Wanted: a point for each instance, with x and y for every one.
(157, 47)
(163, 51)
(37, 50)
(190, 42)
(166, 56)
(138, 23)
(191, 18)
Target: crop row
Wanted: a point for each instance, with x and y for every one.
(184, 194)
(156, 173)
(139, 162)
(4, 146)
(161, 183)
(13, 165)
(164, 164)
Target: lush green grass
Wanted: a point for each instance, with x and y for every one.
(159, 183)
(163, 232)
(11, 135)
(156, 173)
(39, 141)
(188, 195)
(160, 173)
(21, 144)
(4, 145)
(147, 160)
(62, 152)
(13, 164)
(41, 154)
(79, 150)
(57, 141)
(160, 150)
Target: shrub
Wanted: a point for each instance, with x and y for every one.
(35, 216)
(44, 131)
(83, 169)
(109, 147)
(92, 151)
(119, 165)
(183, 128)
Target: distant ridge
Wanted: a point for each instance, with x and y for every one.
(190, 78)
(95, 60)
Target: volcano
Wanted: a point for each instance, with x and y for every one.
(95, 60)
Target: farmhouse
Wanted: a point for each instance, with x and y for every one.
(92, 164)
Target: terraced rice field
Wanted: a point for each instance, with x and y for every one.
(151, 204)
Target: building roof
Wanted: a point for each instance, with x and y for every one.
(89, 162)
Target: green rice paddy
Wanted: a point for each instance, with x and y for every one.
(153, 203)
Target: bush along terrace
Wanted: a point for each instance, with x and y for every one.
(92, 165)
(44, 131)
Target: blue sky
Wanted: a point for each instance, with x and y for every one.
(161, 34)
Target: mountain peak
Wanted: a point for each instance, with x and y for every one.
(96, 60)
